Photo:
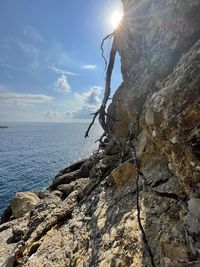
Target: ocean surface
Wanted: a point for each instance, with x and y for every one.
(32, 154)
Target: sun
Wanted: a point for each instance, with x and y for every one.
(116, 18)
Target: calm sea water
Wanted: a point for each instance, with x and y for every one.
(32, 154)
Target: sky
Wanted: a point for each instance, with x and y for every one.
(51, 69)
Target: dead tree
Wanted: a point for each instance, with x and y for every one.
(101, 112)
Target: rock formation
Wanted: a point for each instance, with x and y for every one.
(135, 202)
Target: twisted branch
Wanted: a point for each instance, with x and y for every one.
(101, 112)
(102, 50)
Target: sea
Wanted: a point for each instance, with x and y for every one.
(31, 154)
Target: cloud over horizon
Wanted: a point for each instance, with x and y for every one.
(8, 98)
(91, 97)
(89, 101)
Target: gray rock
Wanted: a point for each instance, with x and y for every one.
(194, 207)
(192, 223)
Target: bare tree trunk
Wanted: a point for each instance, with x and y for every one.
(102, 111)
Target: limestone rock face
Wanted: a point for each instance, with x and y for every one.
(122, 174)
(151, 41)
(172, 117)
(123, 207)
(23, 202)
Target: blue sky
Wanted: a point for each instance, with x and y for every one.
(50, 62)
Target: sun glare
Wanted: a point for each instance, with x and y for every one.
(116, 19)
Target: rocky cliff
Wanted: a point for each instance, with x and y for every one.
(136, 202)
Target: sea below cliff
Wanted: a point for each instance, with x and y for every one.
(32, 153)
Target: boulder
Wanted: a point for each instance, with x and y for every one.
(23, 202)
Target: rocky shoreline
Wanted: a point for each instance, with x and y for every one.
(32, 215)
(88, 216)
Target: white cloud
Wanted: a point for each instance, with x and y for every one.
(89, 67)
(91, 97)
(89, 102)
(17, 99)
(62, 71)
(62, 84)
(84, 104)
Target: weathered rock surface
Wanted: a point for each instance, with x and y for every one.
(97, 212)
(23, 202)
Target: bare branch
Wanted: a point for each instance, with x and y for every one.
(113, 52)
(102, 114)
(93, 120)
(102, 50)
(102, 111)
